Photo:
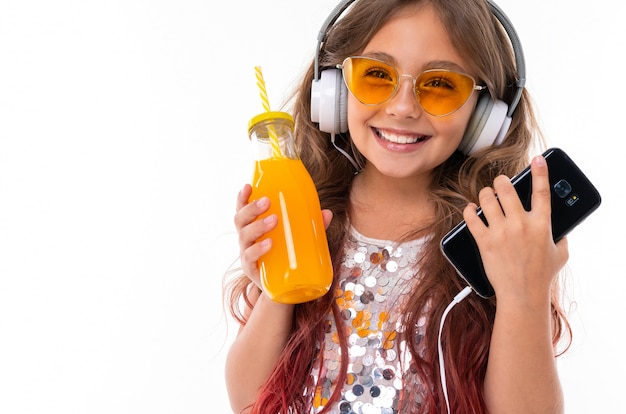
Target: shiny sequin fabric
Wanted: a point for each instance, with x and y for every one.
(373, 279)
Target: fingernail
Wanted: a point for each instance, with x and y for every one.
(269, 219)
(539, 161)
(261, 202)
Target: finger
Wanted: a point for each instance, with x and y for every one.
(254, 252)
(540, 201)
(254, 243)
(250, 211)
(327, 216)
(507, 196)
(255, 230)
(243, 196)
(490, 205)
(475, 225)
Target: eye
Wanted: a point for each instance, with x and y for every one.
(379, 74)
(437, 82)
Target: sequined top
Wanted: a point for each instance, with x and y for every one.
(374, 277)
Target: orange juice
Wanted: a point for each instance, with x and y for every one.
(298, 267)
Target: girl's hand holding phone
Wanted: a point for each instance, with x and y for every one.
(519, 254)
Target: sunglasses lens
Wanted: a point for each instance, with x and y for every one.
(370, 81)
(442, 92)
(439, 92)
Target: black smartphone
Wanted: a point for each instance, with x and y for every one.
(573, 198)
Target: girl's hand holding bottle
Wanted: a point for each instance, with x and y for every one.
(251, 230)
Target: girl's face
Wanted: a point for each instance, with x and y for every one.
(397, 137)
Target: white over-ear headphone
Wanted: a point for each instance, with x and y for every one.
(488, 125)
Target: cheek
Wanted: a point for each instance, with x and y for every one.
(358, 114)
(356, 110)
(456, 124)
(453, 126)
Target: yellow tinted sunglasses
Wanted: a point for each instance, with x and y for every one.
(439, 92)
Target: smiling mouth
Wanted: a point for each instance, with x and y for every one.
(400, 138)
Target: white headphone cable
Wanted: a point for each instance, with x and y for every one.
(442, 369)
(345, 154)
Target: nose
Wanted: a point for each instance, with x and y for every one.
(404, 104)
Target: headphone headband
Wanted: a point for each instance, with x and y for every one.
(321, 36)
(520, 63)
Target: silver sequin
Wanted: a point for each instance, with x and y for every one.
(374, 277)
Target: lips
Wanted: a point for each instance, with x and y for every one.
(399, 138)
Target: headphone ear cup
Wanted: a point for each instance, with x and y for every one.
(488, 125)
(329, 102)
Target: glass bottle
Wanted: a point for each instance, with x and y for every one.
(298, 267)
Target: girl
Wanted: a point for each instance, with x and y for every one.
(370, 345)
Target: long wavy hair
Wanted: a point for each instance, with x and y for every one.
(482, 42)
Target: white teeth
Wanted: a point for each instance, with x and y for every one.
(399, 139)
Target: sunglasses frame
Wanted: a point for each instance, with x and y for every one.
(413, 78)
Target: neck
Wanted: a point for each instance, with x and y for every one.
(390, 208)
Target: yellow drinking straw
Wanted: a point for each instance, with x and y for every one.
(260, 83)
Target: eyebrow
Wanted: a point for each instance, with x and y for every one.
(435, 64)
(445, 64)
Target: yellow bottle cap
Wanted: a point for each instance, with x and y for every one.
(270, 115)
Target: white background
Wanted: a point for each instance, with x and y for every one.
(123, 144)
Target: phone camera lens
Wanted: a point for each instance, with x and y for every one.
(562, 188)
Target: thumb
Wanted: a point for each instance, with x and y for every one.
(327, 216)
